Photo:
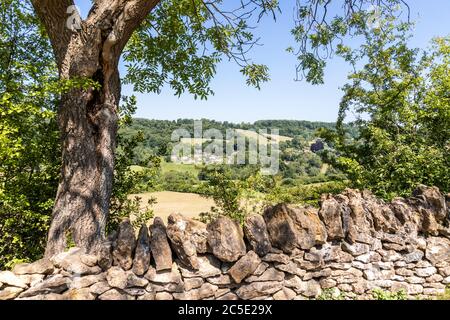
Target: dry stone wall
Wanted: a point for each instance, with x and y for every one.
(353, 243)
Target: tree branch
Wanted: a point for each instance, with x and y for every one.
(53, 14)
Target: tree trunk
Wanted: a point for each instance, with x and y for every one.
(88, 123)
(88, 118)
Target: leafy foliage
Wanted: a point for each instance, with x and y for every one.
(322, 27)
(379, 294)
(331, 294)
(28, 171)
(400, 99)
(127, 180)
(181, 41)
(233, 198)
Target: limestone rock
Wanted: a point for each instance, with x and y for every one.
(360, 286)
(54, 284)
(360, 224)
(89, 260)
(270, 274)
(415, 256)
(10, 279)
(124, 246)
(167, 287)
(295, 282)
(43, 266)
(290, 268)
(114, 294)
(445, 271)
(165, 276)
(438, 250)
(255, 230)
(71, 262)
(245, 266)
(294, 227)
(426, 272)
(433, 200)
(415, 280)
(330, 214)
(78, 294)
(142, 255)
(163, 296)
(386, 217)
(318, 274)
(311, 230)
(261, 268)
(327, 283)
(281, 228)
(162, 254)
(369, 257)
(313, 289)
(355, 249)
(31, 279)
(105, 258)
(221, 280)
(258, 289)
(134, 281)
(207, 290)
(209, 266)
(147, 296)
(188, 237)
(193, 283)
(87, 281)
(276, 257)
(226, 239)
(117, 278)
(196, 231)
(10, 293)
(135, 292)
(100, 288)
(285, 294)
(45, 297)
(228, 297)
(434, 278)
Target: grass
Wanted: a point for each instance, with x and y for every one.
(177, 167)
(170, 166)
(445, 295)
(254, 135)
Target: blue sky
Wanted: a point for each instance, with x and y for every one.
(282, 97)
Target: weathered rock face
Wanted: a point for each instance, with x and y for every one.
(402, 245)
(294, 227)
(438, 250)
(432, 200)
(43, 266)
(162, 254)
(330, 213)
(245, 266)
(188, 237)
(360, 223)
(255, 230)
(105, 258)
(72, 262)
(125, 244)
(226, 239)
(141, 261)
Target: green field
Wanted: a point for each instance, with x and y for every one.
(170, 166)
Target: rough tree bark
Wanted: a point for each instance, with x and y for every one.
(88, 118)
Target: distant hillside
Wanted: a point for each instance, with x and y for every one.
(157, 133)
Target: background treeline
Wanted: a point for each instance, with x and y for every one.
(156, 134)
